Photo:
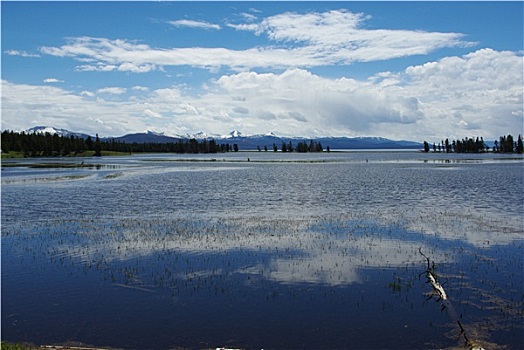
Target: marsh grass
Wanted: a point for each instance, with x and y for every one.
(17, 346)
(244, 160)
(17, 154)
(12, 155)
(114, 175)
(64, 165)
(281, 257)
(316, 249)
(46, 179)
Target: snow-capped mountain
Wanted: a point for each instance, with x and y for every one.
(245, 142)
(260, 141)
(233, 134)
(52, 130)
(156, 133)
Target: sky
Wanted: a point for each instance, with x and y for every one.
(401, 70)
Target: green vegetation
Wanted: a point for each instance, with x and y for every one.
(16, 346)
(12, 154)
(396, 285)
(18, 145)
(505, 144)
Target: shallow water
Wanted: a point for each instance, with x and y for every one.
(283, 251)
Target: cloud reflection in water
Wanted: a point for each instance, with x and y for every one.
(286, 251)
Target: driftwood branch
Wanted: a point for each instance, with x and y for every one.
(432, 279)
(439, 291)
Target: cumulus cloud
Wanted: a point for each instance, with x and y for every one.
(334, 106)
(299, 40)
(24, 106)
(194, 24)
(480, 93)
(87, 93)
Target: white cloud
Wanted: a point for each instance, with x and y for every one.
(304, 102)
(478, 94)
(134, 68)
(140, 88)
(53, 80)
(249, 17)
(338, 37)
(301, 40)
(24, 106)
(112, 90)
(165, 95)
(484, 88)
(152, 114)
(87, 93)
(96, 68)
(194, 24)
(20, 53)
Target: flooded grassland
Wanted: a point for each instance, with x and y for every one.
(339, 250)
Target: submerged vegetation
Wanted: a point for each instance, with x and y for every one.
(303, 260)
(198, 254)
(446, 305)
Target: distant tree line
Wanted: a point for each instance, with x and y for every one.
(182, 146)
(505, 144)
(39, 144)
(301, 147)
(47, 145)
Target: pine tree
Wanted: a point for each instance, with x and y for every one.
(509, 144)
(98, 147)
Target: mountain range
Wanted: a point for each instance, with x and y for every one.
(246, 142)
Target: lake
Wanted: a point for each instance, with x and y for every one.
(284, 251)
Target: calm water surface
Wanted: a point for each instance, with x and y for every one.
(286, 251)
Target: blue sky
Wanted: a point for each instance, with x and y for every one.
(402, 70)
